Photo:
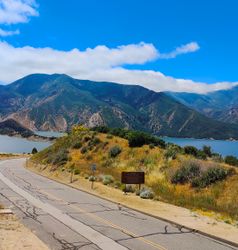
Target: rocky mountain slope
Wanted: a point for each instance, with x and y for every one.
(12, 128)
(56, 102)
(220, 105)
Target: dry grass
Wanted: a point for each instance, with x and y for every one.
(13, 235)
(4, 156)
(221, 197)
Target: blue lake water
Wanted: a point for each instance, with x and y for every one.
(19, 145)
(49, 133)
(222, 147)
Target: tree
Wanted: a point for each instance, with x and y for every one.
(190, 150)
(207, 150)
(34, 151)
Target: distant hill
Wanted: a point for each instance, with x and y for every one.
(220, 105)
(56, 102)
(11, 127)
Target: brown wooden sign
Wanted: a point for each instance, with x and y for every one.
(133, 177)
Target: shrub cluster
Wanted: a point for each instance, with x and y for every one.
(171, 151)
(138, 139)
(231, 160)
(135, 138)
(200, 154)
(76, 171)
(114, 151)
(77, 145)
(186, 173)
(192, 173)
(34, 151)
(94, 142)
(209, 177)
(59, 158)
(146, 194)
(107, 179)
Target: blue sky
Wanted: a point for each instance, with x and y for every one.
(205, 34)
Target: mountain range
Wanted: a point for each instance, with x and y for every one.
(56, 102)
(220, 105)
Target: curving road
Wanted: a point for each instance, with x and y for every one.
(66, 218)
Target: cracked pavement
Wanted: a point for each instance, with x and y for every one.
(123, 228)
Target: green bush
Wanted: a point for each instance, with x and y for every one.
(117, 184)
(76, 171)
(77, 145)
(60, 158)
(231, 160)
(209, 177)
(101, 129)
(34, 151)
(115, 151)
(135, 138)
(186, 173)
(92, 178)
(147, 194)
(138, 139)
(207, 151)
(94, 141)
(107, 179)
(201, 155)
(190, 150)
(171, 152)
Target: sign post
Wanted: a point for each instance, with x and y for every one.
(133, 178)
(93, 169)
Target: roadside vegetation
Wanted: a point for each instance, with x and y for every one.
(189, 177)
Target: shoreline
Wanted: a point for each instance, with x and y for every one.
(192, 138)
(34, 138)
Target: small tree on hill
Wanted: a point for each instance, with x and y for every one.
(34, 151)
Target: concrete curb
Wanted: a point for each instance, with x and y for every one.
(194, 230)
(5, 211)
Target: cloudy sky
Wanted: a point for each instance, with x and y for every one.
(172, 46)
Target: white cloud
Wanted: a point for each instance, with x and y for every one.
(184, 49)
(17, 11)
(9, 33)
(14, 12)
(99, 64)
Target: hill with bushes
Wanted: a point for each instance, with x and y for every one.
(198, 179)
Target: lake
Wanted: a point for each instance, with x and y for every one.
(19, 145)
(49, 133)
(222, 147)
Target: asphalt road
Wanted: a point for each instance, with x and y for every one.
(66, 218)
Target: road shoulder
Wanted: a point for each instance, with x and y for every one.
(13, 235)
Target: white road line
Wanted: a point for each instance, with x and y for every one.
(100, 240)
